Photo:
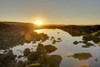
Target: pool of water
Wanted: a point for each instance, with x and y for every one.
(73, 55)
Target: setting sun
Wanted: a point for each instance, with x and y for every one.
(38, 22)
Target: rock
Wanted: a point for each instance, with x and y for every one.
(20, 56)
(54, 42)
(59, 39)
(43, 37)
(26, 52)
(50, 61)
(6, 59)
(27, 62)
(75, 42)
(33, 56)
(52, 37)
(81, 56)
(88, 45)
(87, 37)
(20, 64)
(50, 48)
(41, 49)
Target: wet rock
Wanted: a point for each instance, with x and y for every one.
(20, 64)
(6, 59)
(20, 56)
(54, 42)
(27, 62)
(84, 41)
(35, 37)
(43, 37)
(87, 45)
(50, 48)
(59, 39)
(50, 61)
(33, 56)
(26, 52)
(80, 41)
(41, 49)
(75, 42)
(87, 37)
(81, 56)
(52, 37)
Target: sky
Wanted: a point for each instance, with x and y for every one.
(51, 11)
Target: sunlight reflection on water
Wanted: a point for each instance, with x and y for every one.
(39, 31)
(64, 47)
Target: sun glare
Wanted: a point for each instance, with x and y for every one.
(38, 22)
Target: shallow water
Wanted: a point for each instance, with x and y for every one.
(65, 47)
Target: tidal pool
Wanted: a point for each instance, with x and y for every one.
(73, 54)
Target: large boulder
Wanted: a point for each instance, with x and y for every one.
(50, 60)
(41, 49)
(26, 52)
(50, 48)
(33, 56)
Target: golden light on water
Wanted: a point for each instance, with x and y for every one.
(38, 22)
(38, 31)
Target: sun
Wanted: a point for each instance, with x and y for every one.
(38, 22)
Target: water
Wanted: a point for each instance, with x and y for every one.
(65, 47)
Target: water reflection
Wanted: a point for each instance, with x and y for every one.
(45, 46)
(38, 31)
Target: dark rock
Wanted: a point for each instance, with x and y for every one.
(20, 56)
(75, 42)
(26, 52)
(33, 56)
(54, 42)
(43, 37)
(50, 48)
(87, 45)
(6, 59)
(41, 49)
(50, 60)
